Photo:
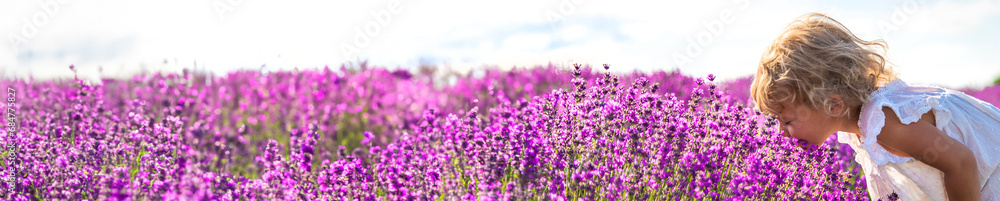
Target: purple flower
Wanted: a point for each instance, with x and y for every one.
(369, 133)
(368, 137)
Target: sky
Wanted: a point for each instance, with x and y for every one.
(947, 43)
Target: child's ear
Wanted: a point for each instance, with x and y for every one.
(838, 106)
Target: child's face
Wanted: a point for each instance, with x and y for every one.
(803, 122)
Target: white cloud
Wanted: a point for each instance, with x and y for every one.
(574, 32)
(935, 63)
(527, 43)
(952, 17)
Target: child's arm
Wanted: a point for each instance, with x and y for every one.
(926, 143)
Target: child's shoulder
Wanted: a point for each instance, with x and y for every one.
(893, 125)
(895, 110)
(909, 139)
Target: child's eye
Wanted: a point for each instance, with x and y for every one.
(788, 122)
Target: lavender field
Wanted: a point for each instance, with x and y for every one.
(368, 133)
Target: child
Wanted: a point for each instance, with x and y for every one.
(920, 142)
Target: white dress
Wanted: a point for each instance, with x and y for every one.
(972, 122)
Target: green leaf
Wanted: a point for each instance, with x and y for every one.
(135, 169)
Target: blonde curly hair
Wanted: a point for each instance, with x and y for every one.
(816, 57)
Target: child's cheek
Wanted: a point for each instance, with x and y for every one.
(797, 133)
